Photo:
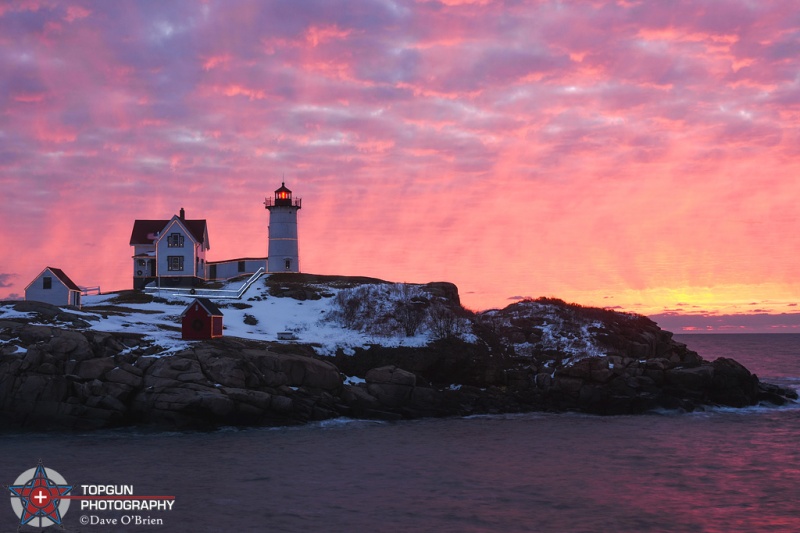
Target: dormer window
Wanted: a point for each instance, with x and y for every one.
(175, 240)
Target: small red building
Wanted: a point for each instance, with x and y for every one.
(201, 320)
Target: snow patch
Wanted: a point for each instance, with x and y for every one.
(560, 330)
(9, 313)
(314, 322)
(310, 320)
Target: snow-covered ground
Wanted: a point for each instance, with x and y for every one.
(309, 321)
(321, 324)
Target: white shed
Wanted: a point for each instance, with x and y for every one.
(54, 287)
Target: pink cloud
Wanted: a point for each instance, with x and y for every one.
(316, 35)
(540, 148)
(236, 90)
(76, 13)
(215, 61)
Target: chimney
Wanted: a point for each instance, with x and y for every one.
(183, 214)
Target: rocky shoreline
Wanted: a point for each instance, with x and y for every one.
(64, 375)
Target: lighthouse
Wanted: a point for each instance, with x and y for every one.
(282, 253)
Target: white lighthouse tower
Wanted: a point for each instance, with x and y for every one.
(282, 253)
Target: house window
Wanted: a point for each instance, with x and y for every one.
(241, 266)
(175, 240)
(288, 264)
(175, 263)
(142, 262)
(47, 282)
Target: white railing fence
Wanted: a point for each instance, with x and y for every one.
(232, 294)
(86, 291)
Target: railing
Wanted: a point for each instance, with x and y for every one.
(210, 293)
(270, 202)
(86, 291)
(252, 280)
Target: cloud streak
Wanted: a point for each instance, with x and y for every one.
(6, 280)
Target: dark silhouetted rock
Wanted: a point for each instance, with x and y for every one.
(532, 355)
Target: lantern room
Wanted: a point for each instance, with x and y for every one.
(283, 196)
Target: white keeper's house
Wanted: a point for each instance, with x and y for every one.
(172, 253)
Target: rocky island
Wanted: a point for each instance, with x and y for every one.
(418, 353)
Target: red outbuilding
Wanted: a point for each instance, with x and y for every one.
(201, 320)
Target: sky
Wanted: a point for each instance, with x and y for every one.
(637, 155)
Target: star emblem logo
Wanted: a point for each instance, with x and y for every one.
(37, 497)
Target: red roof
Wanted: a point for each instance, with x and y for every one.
(57, 272)
(144, 230)
(209, 306)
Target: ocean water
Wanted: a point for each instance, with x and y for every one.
(717, 471)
